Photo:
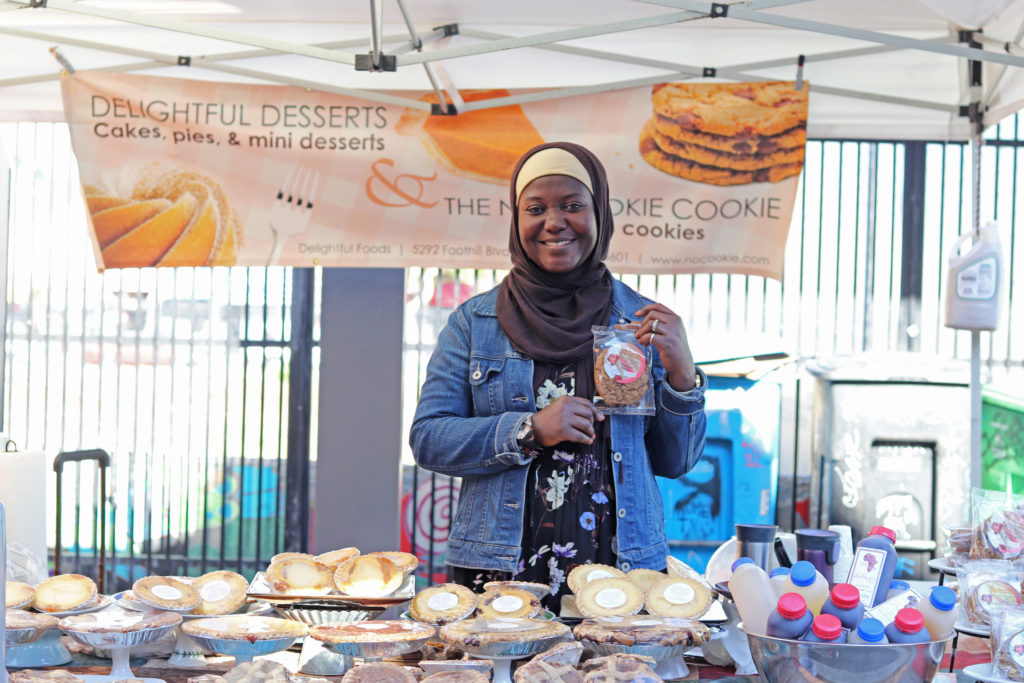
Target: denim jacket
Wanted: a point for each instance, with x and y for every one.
(479, 390)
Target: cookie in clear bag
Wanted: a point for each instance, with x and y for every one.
(623, 381)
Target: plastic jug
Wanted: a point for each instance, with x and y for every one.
(790, 618)
(826, 629)
(939, 611)
(752, 592)
(973, 281)
(874, 564)
(844, 603)
(868, 632)
(778, 578)
(808, 582)
(908, 627)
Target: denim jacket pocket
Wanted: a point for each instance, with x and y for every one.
(485, 379)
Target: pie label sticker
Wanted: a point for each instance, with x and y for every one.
(371, 626)
(442, 602)
(997, 593)
(598, 574)
(624, 362)
(610, 598)
(1016, 650)
(167, 592)
(215, 591)
(507, 603)
(680, 594)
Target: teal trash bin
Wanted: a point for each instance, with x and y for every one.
(736, 480)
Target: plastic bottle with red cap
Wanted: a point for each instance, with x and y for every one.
(874, 565)
(844, 603)
(826, 629)
(790, 618)
(908, 627)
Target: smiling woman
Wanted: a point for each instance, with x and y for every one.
(548, 481)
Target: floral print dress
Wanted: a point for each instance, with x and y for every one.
(569, 517)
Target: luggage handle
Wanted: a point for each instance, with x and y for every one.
(102, 459)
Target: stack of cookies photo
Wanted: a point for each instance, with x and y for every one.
(727, 133)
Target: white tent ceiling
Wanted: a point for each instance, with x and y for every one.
(878, 68)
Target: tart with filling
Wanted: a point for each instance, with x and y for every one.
(405, 562)
(19, 619)
(383, 631)
(18, 594)
(291, 556)
(220, 592)
(243, 627)
(299, 575)
(583, 574)
(541, 590)
(677, 596)
(442, 604)
(112, 621)
(64, 592)
(508, 602)
(336, 558)
(643, 630)
(368, 576)
(481, 631)
(645, 578)
(608, 597)
(163, 592)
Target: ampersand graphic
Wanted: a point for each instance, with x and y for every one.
(232, 139)
(407, 186)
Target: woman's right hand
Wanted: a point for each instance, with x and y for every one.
(567, 418)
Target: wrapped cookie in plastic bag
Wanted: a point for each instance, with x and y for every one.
(987, 586)
(623, 381)
(1007, 643)
(998, 525)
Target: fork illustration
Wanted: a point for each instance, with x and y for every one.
(292, 208)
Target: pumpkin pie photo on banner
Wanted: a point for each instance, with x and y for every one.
(484, 144)
(727, 133)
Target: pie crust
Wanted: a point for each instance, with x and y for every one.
(64, 592)
(406, 562)
(220, 592)
(508, 602)
(18, 619)
(444, 603)
(18, 594)
(291, 556)
(609, 597)
(469, 676)
(336, 558)
(242, 627)
(580, 576)
(383, 631)
(480, 631)
(625, 670)
(163, 592)
(379, 672)
(562, 654)
(56, 675)
(643, 629)
(113, 621)
(541, 590)
(299, 575)
(540, 671)
(645, 578)
(368, 576)
(677, 596)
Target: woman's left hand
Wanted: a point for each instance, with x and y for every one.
(663, 328)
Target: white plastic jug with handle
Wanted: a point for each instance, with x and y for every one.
(973, 281)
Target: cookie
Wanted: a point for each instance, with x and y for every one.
(719, 159)
(625, 361)
(734, 144)
(673, 165)
(744, 109)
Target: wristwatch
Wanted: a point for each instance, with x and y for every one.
(525, 437)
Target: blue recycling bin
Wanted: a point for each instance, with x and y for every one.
(736, 481)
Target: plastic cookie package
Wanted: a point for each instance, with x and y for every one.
(622, 373)
(988, 586)
(1007, 643)
(998, 525)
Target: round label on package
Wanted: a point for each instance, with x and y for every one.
(598, 574)
(624, 362)
(680, 594)
(215, 591)
(507, 603)
(442, 602)
(1015, 648)
(610, 598)
(994, 593)
(166, 592)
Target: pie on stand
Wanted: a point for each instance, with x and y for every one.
(118, 631)
(503, 639)
(663, 639)
(243, 636)
(373, 640)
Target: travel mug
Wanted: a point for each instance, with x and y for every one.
(820, 548)
(756, 541)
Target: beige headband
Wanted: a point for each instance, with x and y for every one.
(551, 161)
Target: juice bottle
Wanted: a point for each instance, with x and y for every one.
(752, 592)
(826, 629)
(778, 577)
(896, 587)
(939, 611)
(874, 564)
(790, 618)
(908, 627)
(844, 603)
(868, 632)
(808, 582)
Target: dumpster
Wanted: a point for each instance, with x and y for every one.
(736, 479)
(1002, 439)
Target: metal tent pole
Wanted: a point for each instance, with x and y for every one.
(975, 382)
(3, 593)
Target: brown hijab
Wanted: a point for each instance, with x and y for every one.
(548, 316)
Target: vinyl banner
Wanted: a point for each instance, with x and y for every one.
(703, 176)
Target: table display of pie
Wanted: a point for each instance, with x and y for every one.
(26, 627)
(657, 637)
(243, 636)
(119, 631)
(503, 639)
(373, 640)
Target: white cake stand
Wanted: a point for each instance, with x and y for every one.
(120, 645)
(503, 653)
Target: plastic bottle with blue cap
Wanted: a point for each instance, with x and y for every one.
(808, 582)
(939, 611)
(868, 632)
(752, 592)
